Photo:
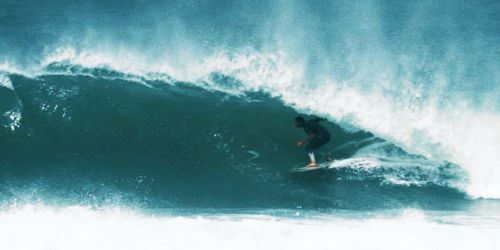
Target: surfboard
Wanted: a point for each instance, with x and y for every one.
(320, 166)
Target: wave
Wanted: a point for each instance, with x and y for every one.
(100, 136)
(397, 70)
(420, 130)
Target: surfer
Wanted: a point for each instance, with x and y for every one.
(317, 136)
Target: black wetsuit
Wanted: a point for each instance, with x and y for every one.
(322, 136)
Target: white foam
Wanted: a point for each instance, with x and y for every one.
(358, 162)
(39, 227)
(13, 116)
(5, 82)
(121, 60)
(6, 67)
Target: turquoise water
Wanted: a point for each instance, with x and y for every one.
(153, 124)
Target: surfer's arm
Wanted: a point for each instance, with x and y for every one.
(308, 139)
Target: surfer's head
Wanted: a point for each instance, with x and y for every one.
(299, 121)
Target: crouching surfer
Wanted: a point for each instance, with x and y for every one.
(317, 136)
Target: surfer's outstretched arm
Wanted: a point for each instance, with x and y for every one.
(308, 139)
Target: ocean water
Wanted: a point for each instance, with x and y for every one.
(145, 124)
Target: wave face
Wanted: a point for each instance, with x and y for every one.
(189, 103)
(95, 140)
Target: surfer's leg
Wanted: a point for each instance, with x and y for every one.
(310, 148)
(313, 146)
(326, 155)
(316, 143)
(311, 157)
